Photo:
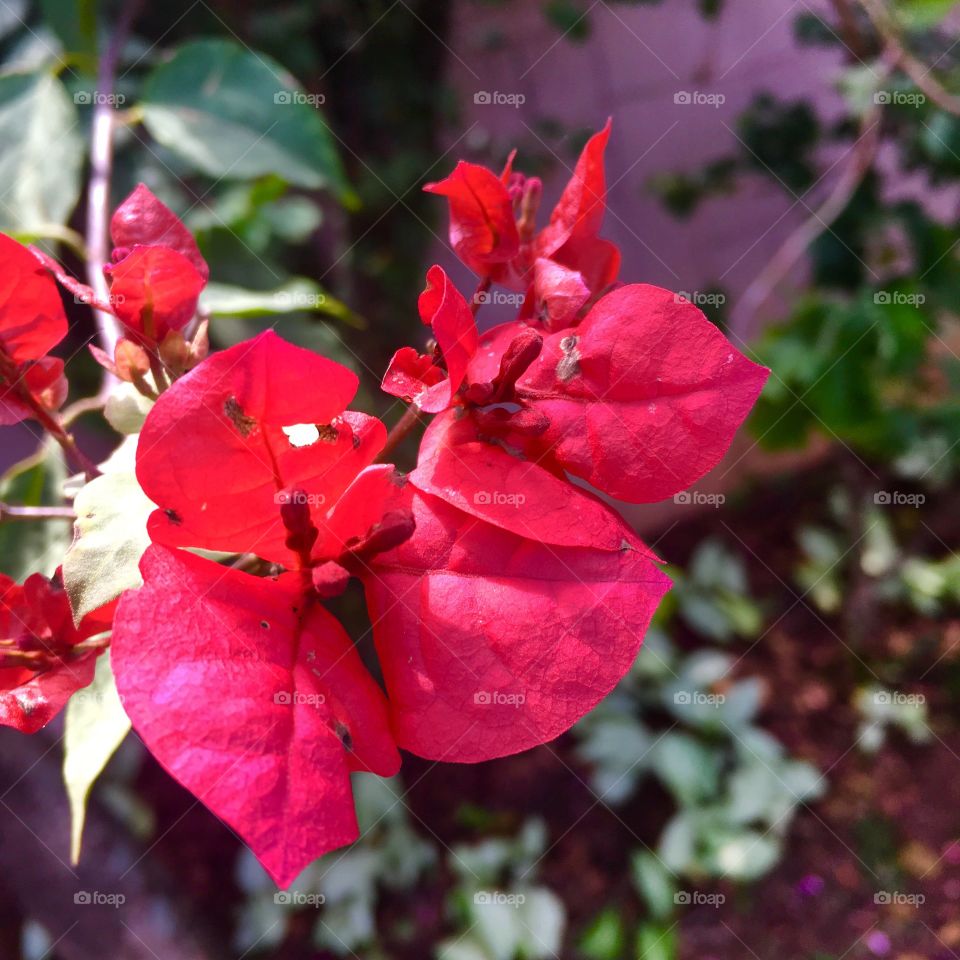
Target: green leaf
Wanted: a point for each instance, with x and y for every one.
(28, 547)
(41, 151)
(110, 537)
(299, 294)
(75, 24)
(235, 113)
(95, 725)
(605, 937)
(655, 883)
(923, 13)
(655, 942)
(688, 768)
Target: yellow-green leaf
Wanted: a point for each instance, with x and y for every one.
(110, 536)
(95, 725)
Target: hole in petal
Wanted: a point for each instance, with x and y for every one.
(302, 434)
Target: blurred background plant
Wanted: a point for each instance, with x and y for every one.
(781, 761)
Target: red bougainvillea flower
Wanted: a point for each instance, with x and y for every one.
(642, 398)
(154, 290)
(252, 696)
(492, 643)
(254, 451)
(221, 447)
(32, 322)
(492, 229)
(431, 381)
(144, 220)
(44, 658)
(158, 271)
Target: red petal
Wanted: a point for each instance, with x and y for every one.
(361, 507)
(411, 375)
(257, 705)
(491, 644)
(417, 377)
(516, 495)
(32, 320)
(40, 608)
(579, 212)
(45, 380)
(482, 226)
(32, 704)
(154, 290)
(561, 292)
(213, 455)
(143, 220)
(644, 396)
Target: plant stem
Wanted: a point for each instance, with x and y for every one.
(9, 512)
(915, 69)
(862, 155)
(482, 287)
(410, 418)
(11, 375)
(101, 169)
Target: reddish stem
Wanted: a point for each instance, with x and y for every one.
(10, 373)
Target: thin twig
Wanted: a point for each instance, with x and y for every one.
(101, 169)
(791, 251)
(915, 69)
(10, 512)
(410, 418)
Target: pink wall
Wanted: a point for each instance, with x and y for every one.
(635, 61)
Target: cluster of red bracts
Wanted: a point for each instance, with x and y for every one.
(505, 600)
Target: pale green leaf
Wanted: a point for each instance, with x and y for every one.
(109, 540)
(299, 294)
(95, 725)
(41, 151)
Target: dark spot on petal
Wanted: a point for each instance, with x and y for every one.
(328, 433)
(569, 365)
(343, 733)
(234, 412)
(173, 517)
(264, 624)
(356, 441)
